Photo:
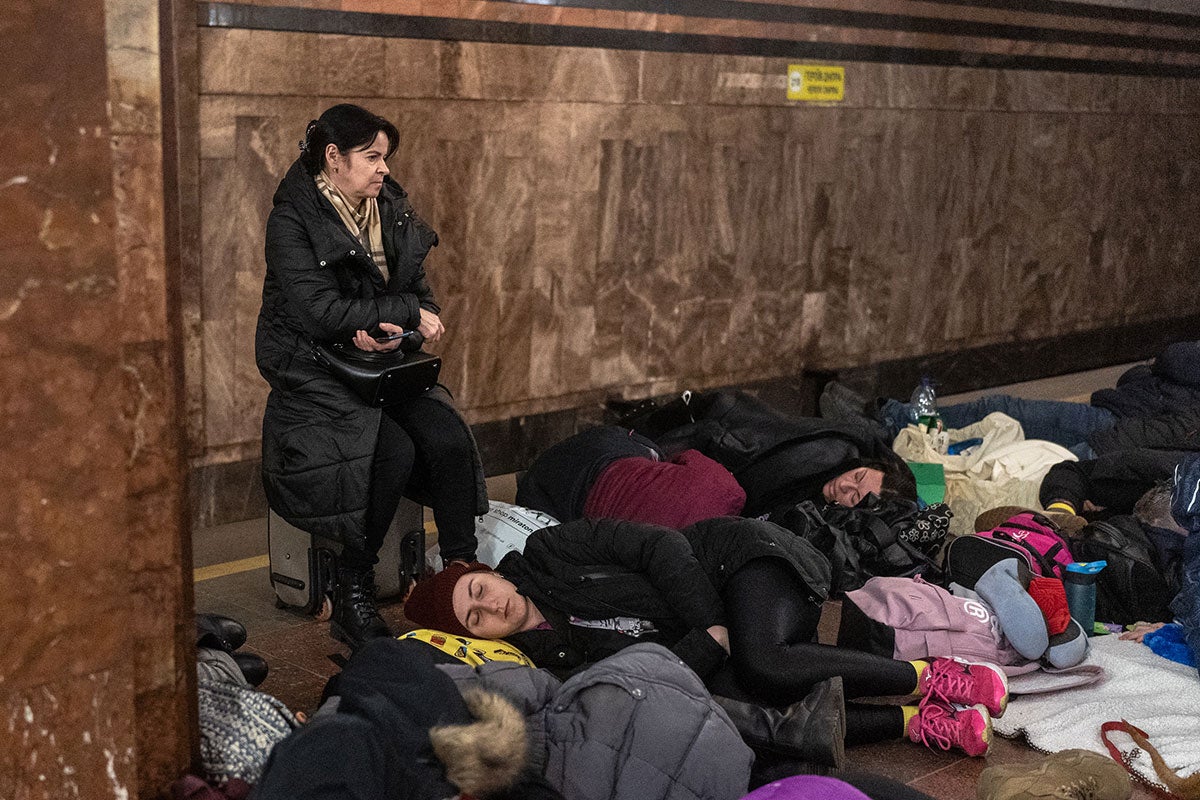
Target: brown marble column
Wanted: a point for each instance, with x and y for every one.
(95, 605)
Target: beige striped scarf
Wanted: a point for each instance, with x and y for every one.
(362, 222)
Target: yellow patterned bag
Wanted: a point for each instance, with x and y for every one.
(475, 652)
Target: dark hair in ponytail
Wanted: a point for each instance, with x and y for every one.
(348, 127)
(898, 479)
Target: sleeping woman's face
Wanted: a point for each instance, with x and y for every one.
(849, 488)
(490, 607)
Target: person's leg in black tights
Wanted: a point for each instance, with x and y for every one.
(772, 627)
(390, 468)
(870, 723)
(444, 447)
(355, 615)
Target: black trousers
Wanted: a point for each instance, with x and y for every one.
(421, 438)
(776, 659)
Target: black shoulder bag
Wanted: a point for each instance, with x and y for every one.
(380, 379)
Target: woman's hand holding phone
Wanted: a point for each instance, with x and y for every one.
(390, 339)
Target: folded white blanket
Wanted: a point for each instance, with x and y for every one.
(1158, 696)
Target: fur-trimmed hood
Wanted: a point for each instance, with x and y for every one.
(486, 755)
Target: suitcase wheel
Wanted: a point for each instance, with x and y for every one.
(326, 610)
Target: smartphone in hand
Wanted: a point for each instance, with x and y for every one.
(391, 337)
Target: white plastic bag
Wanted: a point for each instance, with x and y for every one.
(1006, 469)
(503, 529)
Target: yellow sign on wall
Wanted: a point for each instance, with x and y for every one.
(816, 82)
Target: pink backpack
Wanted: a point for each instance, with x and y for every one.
(1036, 540)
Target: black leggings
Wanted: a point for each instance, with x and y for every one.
(776, 659)
(425, 437)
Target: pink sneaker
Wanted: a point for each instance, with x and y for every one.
(965, 683)
(939, 726)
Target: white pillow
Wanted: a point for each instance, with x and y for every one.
(503, 529)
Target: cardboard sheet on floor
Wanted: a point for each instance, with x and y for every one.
(1158, 696)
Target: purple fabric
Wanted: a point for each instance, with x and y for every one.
(806, 787)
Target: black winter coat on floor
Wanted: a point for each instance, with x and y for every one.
(371, 740)
(778, 459)
(599, 569)
(318, 436)
(1170, 385)
(1114, 482)
(1171, 430)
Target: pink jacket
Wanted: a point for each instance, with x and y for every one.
(929, 622)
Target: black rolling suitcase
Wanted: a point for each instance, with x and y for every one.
(304, 567)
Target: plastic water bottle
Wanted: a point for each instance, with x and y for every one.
(1080, 583)
(922, 407)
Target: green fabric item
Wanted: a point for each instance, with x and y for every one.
(931, 481)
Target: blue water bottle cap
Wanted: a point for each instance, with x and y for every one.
(1087, 567)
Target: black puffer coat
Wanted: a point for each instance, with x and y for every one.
(778, 459)
(1170, 385)
(318, 436)
(1115, 481)
(370, 739)
(1172, 430)
(598, 569)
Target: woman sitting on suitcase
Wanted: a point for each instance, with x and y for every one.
(345, 254)
(727, 586)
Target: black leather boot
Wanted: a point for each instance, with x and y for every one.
(221, 633)
(812, 730)
(254, 668)
(355, 616)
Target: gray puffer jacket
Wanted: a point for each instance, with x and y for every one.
(638, 725)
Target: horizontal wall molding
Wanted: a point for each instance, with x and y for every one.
(353, 23)
(1064, 8)
(871, 20)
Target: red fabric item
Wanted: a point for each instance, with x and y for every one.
(675, 493)
(1051, 598)
(430, 604)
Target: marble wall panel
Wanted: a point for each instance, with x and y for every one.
(519, 72)
(137, 190)
(281, 63)
(159, 597)
(91, 465)
(150, 423)
(624, 241)
(69, 738)
(412, 68)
